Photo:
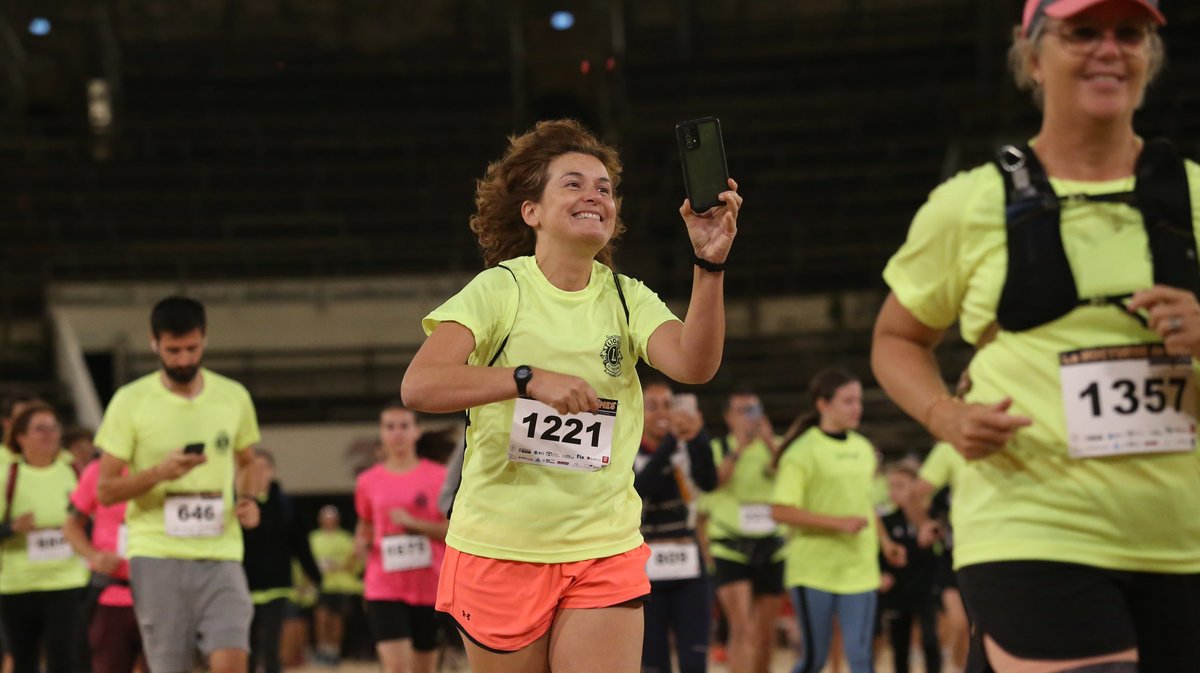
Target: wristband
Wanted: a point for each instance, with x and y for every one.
(707, 265)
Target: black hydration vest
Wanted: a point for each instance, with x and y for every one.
(1039, 286)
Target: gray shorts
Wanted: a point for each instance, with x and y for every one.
(183, 606)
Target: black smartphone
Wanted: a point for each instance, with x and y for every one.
(194, 449)
(702, 153)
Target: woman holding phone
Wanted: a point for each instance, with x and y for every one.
(541, 349)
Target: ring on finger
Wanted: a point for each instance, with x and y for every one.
(1174, 324)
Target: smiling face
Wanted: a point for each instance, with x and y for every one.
(1096, 63)
(576, 210)
(657, 401)
(41, 437)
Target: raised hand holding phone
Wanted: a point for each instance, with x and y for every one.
(711, 209)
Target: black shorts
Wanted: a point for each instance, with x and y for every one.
(338, 603)
(765, 578)
(1047, 610)
(397, 620)
(945, 578)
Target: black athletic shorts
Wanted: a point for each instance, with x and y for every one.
(1048, 610)
(338, 603)
(397, 620)
(765, 578)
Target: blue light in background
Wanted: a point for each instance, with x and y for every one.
(40, 26)
(562, 20)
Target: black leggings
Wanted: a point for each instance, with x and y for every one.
(900, 621)
(265, 630)
(681, 607)
(42, 621)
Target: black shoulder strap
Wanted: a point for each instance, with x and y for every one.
(621, 294)
(10, 489)
(1162, 195)
(1039, 286)
(724, 446)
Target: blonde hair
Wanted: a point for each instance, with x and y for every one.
(521, 175)
(1023, 49)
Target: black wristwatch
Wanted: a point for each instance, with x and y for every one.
(522, 375)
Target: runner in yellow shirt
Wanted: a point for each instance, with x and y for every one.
(824, 494)
(1070, 263)
(42, 578)
(743, 540)
(184, 432)
(341, 582)
(544, 549)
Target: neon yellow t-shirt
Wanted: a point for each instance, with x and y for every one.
(6, 455)
(45, 492)
(144, 422)
(536, 513)
(826, 475)
(334, 554)
(748, 487)
(1032, 501)
(942, 466)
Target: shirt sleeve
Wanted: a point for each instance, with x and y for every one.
(84, 498)
(248, 432)
(790, 478)
(647, 312)
(487, 307)
(924, 274)
(115, 436)
(362, 500)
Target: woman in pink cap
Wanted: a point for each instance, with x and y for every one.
(1070, 263)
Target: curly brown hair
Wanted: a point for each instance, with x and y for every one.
(520, 175)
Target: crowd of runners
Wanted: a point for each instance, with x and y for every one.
(593, 520)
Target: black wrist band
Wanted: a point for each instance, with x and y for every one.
(707, 265)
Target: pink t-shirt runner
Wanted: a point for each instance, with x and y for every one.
(107, 521)
(378, 492)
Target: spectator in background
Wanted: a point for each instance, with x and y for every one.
(80, 447)
(744, 540)
(270, 548)
(675, 456)
(115, 644)
(42, 579)
(908, 592)
(334, 550)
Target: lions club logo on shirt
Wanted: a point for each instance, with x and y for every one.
(611, 356)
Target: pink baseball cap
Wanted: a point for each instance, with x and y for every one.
(1036, 10)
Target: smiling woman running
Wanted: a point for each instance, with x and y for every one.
(544, 549)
